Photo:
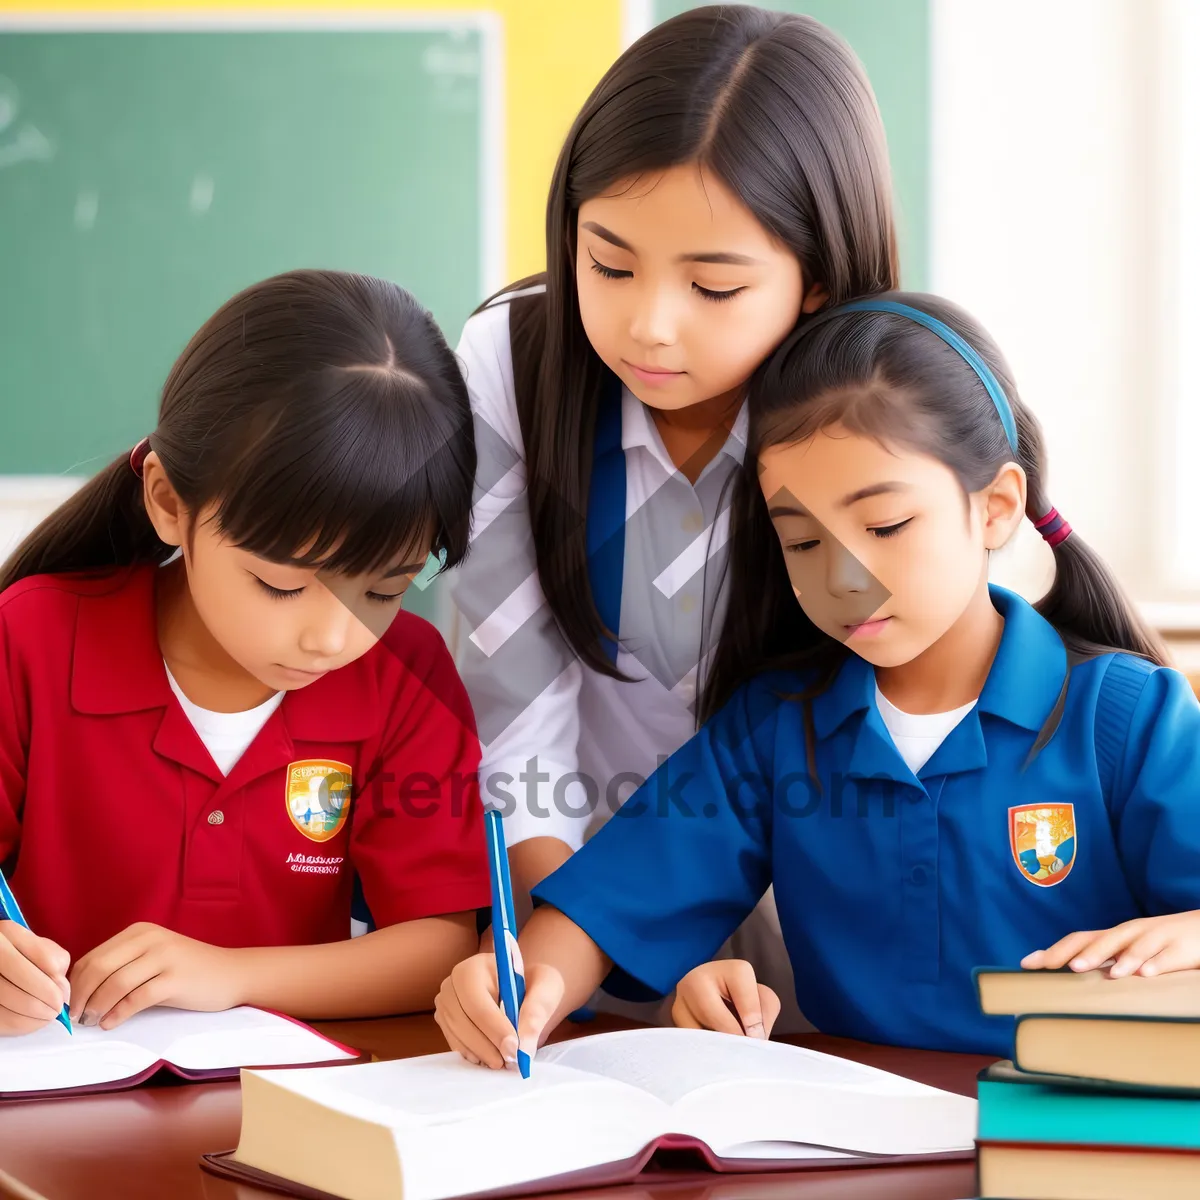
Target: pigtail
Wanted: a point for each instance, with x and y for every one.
(1085, 603)
(104, 524)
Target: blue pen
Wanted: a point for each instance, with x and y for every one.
(11, 910)
(509, 970)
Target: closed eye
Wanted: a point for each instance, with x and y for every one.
(801, 547)
(884, 531)
(384, 597)
(608, 272)
(709, 294)
(279, 593)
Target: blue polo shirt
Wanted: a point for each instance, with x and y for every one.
(892, 887)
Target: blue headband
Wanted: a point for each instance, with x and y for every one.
(969, 354)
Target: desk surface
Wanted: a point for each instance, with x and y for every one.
(145, 1143)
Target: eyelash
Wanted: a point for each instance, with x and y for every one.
(887, 531)
(883, 531)
(716, 297)
(292, 593)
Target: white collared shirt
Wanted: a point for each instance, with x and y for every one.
(593, 739)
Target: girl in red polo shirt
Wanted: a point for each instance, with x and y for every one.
(213, 715)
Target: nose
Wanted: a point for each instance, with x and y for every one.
(326, 632)
(655, 318)
(845, 575)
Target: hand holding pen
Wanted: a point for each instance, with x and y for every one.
(33, 973)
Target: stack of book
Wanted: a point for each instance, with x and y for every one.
(1101, 1100)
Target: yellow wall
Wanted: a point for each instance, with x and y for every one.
(555, 51)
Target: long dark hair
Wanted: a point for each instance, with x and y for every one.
(884, 376)
(780, 109)
(321, 413)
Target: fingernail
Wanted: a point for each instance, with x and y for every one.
(508, 1049)
(1030, 959)
(756, 1030)
(88, 1018)
(1080, 964)
(1149, 968)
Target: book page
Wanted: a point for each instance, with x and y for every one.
(672, 1063)
(237, 1037)
(432, 1088)
(51, 1059)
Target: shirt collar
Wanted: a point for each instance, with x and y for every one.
(118, 667)
(1022, 686)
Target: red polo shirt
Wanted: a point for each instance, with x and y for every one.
(114, 812)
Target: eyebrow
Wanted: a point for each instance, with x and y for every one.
(874, 489)
(720, 257)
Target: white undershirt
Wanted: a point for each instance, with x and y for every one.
(225, 735)
(918, 735)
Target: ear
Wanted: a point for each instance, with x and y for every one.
(1003, 505)
(815, 298)
(163, 505)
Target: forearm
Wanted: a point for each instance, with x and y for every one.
(532, 860)
(391, 971)
(554, 940)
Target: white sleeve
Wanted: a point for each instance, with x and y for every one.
(521, 675)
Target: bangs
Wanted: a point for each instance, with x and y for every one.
(385, 480)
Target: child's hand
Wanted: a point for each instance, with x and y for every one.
(146, 965)
(469, 1013)
(700, 1000)
(33, 979)
(1146, 946)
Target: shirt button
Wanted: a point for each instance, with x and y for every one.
(216, 817)
(919, 875)
(688, 603)
(693, 522)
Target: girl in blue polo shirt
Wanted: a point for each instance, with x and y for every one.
(934, 774)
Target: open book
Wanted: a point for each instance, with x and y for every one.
(194, 1045)
(594, 1111)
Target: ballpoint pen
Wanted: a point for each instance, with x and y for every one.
(509, 969)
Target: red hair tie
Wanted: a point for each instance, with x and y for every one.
(137, 456)
(1053, 527)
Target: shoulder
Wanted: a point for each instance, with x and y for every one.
(46, 605)
(487, 333)
(761, 702)
(412, 657)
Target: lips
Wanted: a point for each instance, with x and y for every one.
(867, 628)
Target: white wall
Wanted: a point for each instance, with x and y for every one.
(1044, 186)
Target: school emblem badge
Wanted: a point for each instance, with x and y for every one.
(318, 797)
(1042, 838)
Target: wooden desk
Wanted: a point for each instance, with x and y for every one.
(145, 1143)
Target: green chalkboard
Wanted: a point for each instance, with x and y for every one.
(891, 37)
(148, 174)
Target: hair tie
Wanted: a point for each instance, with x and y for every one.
(1053, 527)
(137, 456)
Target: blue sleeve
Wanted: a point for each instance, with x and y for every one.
(1156, 807)
(675, 870)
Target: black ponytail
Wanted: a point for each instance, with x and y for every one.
(1085, 603)
(103, 524)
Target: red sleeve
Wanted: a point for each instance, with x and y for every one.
(14, 740)
(417, 836)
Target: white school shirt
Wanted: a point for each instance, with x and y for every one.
(594, 739)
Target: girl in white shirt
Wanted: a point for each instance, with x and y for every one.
(726, 178)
